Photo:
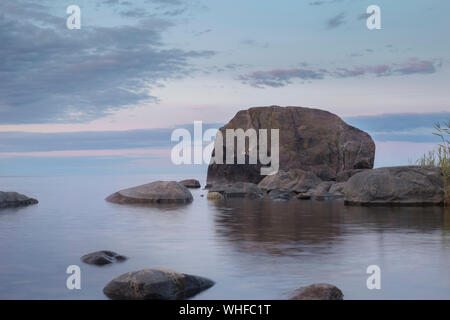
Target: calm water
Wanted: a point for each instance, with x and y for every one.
(253, 249)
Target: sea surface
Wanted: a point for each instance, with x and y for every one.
(252, 249)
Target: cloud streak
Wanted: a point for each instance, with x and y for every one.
(282, 77)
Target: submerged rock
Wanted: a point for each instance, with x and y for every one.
(404, 185)
(103, 257)
(14, 199)
(156, 284)
(318, 291)
(312, 140)
(155, 192)
(238, 189)
(281, 195)
(190, 183)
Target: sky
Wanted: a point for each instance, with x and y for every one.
(106, 98)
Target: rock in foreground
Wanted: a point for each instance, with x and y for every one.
(312, 140)
(100, 258)
(318, 291)
(405, 185)
(156, 284)
(14, 199)
(155, 192)
(191, 183)
(239, 189)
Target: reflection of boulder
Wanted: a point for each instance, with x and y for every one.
(312, 140)
(318, 291)
(155, 192)
(156, 284)
(406, 185)
(14, 199)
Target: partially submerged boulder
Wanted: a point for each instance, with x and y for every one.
(155, 192)
(101, 258)
(238, 189)
(156, 284)
(215, 196)
(298, 181)
(14, 199)
(190, 183)
(318, 291)
(312, 140)
(403, 185)
(281, 195)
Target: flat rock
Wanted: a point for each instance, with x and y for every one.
(403, 185)
(238, 189)
(298, 181)
(190, 183)
(318, 291)
(14, 199)
(312, 140)
(155, 192)
(100, 258)
(156, 284)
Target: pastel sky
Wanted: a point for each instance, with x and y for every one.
(105, 98)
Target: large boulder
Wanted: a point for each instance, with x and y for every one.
(238, 190)
(318, 291)
(312, 140)
(156, 284)
(405, 185)
(14, 199)
(101, 258)
(155, 192)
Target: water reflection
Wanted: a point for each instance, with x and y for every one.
(293, 227)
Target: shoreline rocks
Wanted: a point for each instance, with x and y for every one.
(101, 258)
(238, 190)
(14, 200)
(396, 186)
(156, 284)
(190, 183)
(318, 291)
(155, 192)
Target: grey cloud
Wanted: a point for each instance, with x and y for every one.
(279, 77)
(336, 21)
(59, 75)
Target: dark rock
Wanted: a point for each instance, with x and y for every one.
(155, 192)
(298, 181)
(14, 199)
(281, 195)
(347, 174)
(318, 291)
(156, 284)
(101, 258)
(405, 185)
(312, 140)
(238, 189)
(190, 183)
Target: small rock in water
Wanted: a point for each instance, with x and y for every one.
(156, 284)
(318, 291)
(101, 258)
(281, 195)
(190, 183)
(14, 199)
(214, 196)
(239, 190)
